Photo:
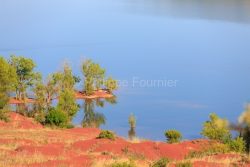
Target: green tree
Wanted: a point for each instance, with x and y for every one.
(66, 81)
(93, 76)
(8, 80)
(25, 74)
(111, 84)
(67, 103)
(216, 128)
(44, 94)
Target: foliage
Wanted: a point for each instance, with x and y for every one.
(57, 118)
(93, 75)
(173, 136)
(132, 121)
(111, 84)
(161, 162)
(64, 82)
(25, 74)
(237, 145)
(216, 128)
(184, 164)
(44, 93)
(123, 164)
(106, 134)
(67, 103)
(7, 81)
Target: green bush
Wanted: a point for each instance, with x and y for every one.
(216, 129)
(184, 164)
(173, 136)
(237, 145)
(161, 162)
(57, 118)
(123, 164)
(106, 134)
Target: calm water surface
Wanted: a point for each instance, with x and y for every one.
(202, 45)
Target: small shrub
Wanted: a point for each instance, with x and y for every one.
(237, 145)
(57, 118)
(161, 162)
(216, 128)
(184, 164)
(106, 134)
(173, 136)
(123, 164)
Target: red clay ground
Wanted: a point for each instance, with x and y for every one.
(97, 94)
(23, 142)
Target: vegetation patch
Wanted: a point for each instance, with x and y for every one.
(56, 118)
(216, 128)
(173, 136)
(106, 134)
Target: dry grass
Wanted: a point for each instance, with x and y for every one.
(40, 136)
(109, 162)
(24, 159)
(14, 138)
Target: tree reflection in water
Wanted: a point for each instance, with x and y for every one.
(132, 134)
(92, 118)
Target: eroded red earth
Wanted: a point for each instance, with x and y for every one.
(23, 142)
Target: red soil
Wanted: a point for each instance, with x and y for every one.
(20, 122)
(96, 94)
(79, 146)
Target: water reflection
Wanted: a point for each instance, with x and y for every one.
(132, 134)
(226, 10)
(93, 118)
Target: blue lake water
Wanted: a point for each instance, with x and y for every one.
(202, 46)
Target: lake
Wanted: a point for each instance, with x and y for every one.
(176, 61)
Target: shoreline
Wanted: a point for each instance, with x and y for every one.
(78, 95)
(80, 147)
